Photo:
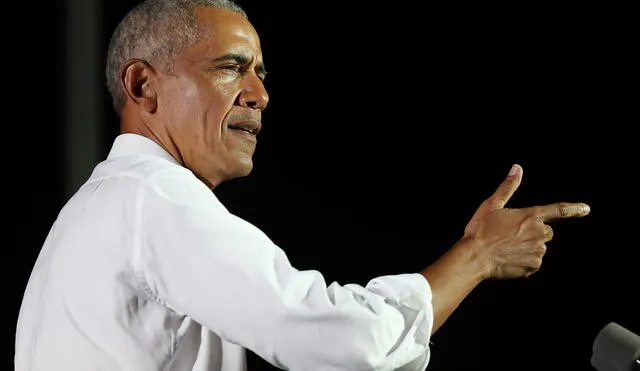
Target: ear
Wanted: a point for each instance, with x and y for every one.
(138, 81)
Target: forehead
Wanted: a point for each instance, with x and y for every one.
(225, 31)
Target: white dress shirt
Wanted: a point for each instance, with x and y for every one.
(145, 270)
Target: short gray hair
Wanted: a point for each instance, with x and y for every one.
(155, 31)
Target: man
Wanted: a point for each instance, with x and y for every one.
(145, 269)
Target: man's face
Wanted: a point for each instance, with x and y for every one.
(211, 102)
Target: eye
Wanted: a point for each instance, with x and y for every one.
(242, 69)
(233, 67)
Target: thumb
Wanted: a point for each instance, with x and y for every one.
(498, 199)
(506, 189)
(502, 195)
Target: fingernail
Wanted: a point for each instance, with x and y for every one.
(586, 209)
(513, 171)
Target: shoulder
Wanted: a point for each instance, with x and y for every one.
(178, 185)
(150, 179)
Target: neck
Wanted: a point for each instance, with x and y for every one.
(163, 141)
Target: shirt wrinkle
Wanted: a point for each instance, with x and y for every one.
(146, 269)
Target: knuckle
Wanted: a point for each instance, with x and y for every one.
(541, 251)
(546, 232)
(536, 213)
(563, 209)
(536, 219)
(537, 262)
(535, 210)
(549, 235)
(533, 268)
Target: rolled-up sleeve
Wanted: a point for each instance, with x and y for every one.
(202, 261)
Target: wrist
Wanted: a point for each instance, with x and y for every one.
(468, 252)
(462, 263)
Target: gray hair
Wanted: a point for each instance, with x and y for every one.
(155, 31)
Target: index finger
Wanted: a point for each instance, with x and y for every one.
(561, 210)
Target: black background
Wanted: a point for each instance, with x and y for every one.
(388, 125)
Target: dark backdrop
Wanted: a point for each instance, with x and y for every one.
(387, 126)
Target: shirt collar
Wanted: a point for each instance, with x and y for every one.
(135, 144)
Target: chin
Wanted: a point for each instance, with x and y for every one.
(212, 181)
(242, 169)
(246, 170)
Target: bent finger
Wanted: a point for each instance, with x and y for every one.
(548, 233)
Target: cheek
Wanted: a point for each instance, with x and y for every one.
(212, 124)
(202, 106)
(220, 102)
(181, 103)
(225, 89)
(190, 99)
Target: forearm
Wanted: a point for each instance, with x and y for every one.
(288, 317)
(451, 278)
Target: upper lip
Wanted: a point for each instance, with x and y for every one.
(252, 126)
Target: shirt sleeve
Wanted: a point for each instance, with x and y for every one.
(202, 261)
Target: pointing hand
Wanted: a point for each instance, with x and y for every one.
(512, 242)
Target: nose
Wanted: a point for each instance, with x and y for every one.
(254, 95)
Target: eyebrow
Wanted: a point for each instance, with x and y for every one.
(241, 59)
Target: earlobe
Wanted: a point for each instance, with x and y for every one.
(137, 78)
